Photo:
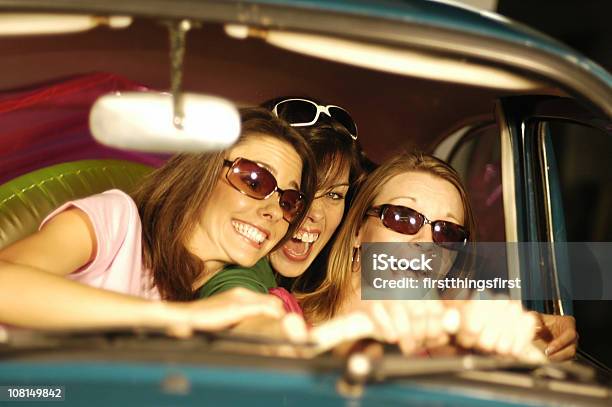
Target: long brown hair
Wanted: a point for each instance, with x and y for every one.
(171, 200)
(334, 150)
(325, 301)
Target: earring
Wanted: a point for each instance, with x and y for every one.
(356, 259)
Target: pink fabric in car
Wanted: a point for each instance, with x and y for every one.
(289, 301)
(48, 124)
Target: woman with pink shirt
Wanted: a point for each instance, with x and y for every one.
(108, 260)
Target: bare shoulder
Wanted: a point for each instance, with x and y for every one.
(64, 244)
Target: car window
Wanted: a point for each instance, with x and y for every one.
(583, 157)
(582, 160)
(477, 158)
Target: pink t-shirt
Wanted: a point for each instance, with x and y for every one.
(117, 265)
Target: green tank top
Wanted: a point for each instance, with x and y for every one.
(259, 278)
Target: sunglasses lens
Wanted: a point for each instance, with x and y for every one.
(448, 234)
(292, 203)
(297, 111)
(251, 179)
(343, 117)
(402, 220)
(257, 182)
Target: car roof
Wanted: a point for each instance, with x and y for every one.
(482, 34)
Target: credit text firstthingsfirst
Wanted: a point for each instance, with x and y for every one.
(446, 283)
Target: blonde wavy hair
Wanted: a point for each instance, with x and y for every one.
(325, 301)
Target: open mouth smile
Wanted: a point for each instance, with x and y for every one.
(252, 234)
(300, 246)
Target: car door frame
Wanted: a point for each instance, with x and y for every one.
(530, 212)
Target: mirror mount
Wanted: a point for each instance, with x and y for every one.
(178, 36)
(172, 122)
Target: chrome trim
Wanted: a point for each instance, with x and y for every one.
(558, 304)
(509, 199)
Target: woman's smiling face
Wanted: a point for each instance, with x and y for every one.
(428, 194)
(237, 229)
(320, 224)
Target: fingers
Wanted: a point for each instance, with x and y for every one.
(217, 319)
(403, 325)
(409, 321)
(181, 331)
(407, 345)
(410, 324)
(294, 328)
(400, 318)
(231, 315)
(567, 353)
(355, 325)
(383, 316)
(507, 337)
(559, 332)
(542, 330)
(451, 320)
(425, 327)
(272, 305)
(499, 326)
(523, 347)
(228, 308)
(472, 323)
(418, 321)
(567, 340)
(435, 335)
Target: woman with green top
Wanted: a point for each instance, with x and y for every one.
(332, 135)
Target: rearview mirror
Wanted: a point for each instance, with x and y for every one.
(143, 121)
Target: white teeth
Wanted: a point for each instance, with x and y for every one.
(306, 237)
(248, 231)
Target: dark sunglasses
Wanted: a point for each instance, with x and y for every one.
(254, 180)
(304, 112)
(407, 221)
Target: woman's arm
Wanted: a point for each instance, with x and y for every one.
(34, 298)
(35, 293)
(66, 243)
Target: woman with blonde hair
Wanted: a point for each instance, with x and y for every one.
(412, 198)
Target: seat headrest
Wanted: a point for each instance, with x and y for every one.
(25, 201)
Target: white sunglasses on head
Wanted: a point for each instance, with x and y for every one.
(304, 112)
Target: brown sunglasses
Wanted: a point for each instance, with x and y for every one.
(254, 180)
(408, 221)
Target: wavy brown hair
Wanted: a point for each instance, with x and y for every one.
(334, 150)
(325, 301)
(171, 200)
